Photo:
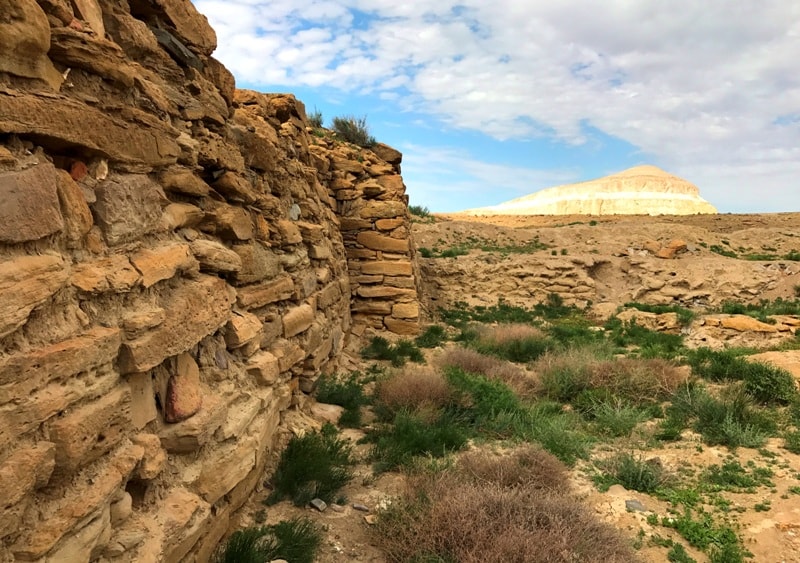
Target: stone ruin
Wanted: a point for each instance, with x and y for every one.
(179, 260)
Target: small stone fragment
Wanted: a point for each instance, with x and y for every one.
(319, 504)
(360, 507)
(634, 506)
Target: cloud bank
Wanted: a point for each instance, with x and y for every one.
(710, 89)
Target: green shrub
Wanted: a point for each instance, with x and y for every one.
(433, 336)
(315, 465)
(769, 384)
(354, 130)
(381, 349)
(296, 540)
(411, 435)
(419, 211)
(791, 441)
(677, 554)
(616, 418)
(732, 476)
(648, 343)
(426, 252)
(348, 393)
(633, 473)
(558, 432)
(521, 351)
(315, 119)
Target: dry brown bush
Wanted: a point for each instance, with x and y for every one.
(453, 515)
(502, 333)
(639, 379)
(521, 382)
(528, 466)
(416, 388)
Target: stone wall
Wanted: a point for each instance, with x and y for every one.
(172, 273)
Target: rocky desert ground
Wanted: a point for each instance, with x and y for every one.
(708, 487)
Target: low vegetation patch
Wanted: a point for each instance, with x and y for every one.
(315, 465)
(513, 342)
(472, 361)
(513, 509)
(353, 130)
(417, 389)
(398, 353)
(433, 336)
(346, 392)
(296, 540)
(632, 472)
(685, 316)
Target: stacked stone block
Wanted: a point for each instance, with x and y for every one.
(172, 276)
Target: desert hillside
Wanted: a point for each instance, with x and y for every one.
(642, 190)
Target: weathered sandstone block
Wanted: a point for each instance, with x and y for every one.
(23, 471)
(297, 320)
(375, 241)
(179, 215)
(115, 274)
(241, 329)
(255, 296)
(383, 210)
(403, 327)
(26, 40)
(193, 310)
(387, 268)
(191, 434)
(89, 432)
(150, 143)
(184, 394)
(225, 469)
(30, 207)
(78, 502)
(405, 310)
(26, 283)
(264, 367)
(258, 263)
(23, 373)
(77, 215)
(385, 292)
(163, 262)
(128, 206)
(215, 257)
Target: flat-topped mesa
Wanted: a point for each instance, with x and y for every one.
(642, 190)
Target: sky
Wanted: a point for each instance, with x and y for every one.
(489, 101)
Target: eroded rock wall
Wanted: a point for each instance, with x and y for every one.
(172, 275)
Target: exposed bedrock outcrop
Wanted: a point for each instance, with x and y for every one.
(179, 260)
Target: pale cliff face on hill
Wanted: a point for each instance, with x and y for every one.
(643, 190)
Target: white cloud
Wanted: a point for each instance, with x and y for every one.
(702, 86)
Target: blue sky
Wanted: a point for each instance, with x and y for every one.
(492, 101)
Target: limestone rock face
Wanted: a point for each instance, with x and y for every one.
(642, 190)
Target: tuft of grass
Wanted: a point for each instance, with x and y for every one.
(491, 367)
(791, 441)
(414, 390)
(398, 353)
(513, 342)
(348, 393)
(296, 540)
(411, 435)
(730, 420)
(767, 384)
(433, 336)
(315, 465)
(632, 472)
(644, 342)
(353, 130)
(616, 418)
(315, 119)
